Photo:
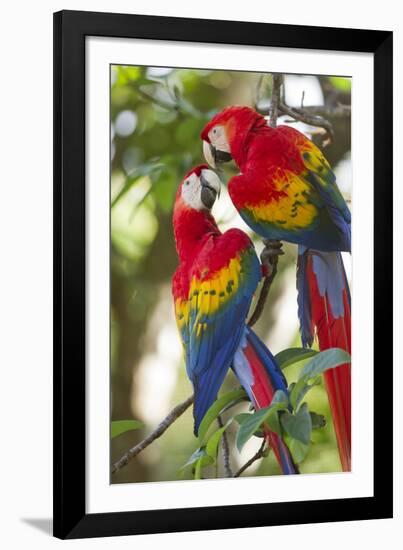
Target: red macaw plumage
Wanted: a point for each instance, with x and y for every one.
(286, 190)
(213, 287)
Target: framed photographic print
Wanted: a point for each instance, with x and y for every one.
(223, 273)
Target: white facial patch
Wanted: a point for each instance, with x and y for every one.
(191, 192)
(218, 139)
(192, 188)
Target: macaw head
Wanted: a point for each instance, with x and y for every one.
(224, 136)
(199, 189)
(192, 218)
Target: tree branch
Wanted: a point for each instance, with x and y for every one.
(260, 454)
(275, 99)
(264, 292)
(312, 115)
(225, 450)
(303, 116)
(258, 90)
(160, 429)
(337, 111)
(163, 104)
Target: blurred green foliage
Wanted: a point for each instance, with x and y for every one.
(120, 427)
(156, 118)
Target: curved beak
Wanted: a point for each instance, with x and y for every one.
(210, 188)
(208, 152)
(214, 156)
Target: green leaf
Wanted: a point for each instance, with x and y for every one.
(298, 425)
(176, 91)
(299, 390)
(318, 420)
(119, 427)
(273, 422)
(212, 444)
(164, 189)
(198, 469)
(144, 81)
(200, 458)
(323, 361)
(187, 108)
(298, 450)
(202, 461)
(243, 417)
(279, 398)
(194, 457)
(343, 84)
(127, 74)
(279, 403)
(139, 172)
(250, 425)
(297, 393)
(217, 407)
(290, 356)
(187, 131)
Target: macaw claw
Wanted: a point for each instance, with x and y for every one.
(269, 256)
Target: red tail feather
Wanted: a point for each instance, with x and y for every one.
(335, 333)
(263, 392)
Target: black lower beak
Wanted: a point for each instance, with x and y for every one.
(220, 156)
(208, 194)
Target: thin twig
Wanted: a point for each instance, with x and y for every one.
(159, 430)
(163, 104)
(264, 292)
(337, 111)
(275, 99)
(260, 454)
(225, 450)
(303, 116)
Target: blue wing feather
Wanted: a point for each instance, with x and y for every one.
(214, 333)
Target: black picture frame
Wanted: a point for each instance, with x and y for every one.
(70, 30)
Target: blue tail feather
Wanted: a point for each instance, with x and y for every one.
(331, 280)
(304, 299)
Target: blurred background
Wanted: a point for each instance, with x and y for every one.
(156, 118)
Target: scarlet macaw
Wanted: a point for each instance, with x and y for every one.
(213, 287)
(286, 190)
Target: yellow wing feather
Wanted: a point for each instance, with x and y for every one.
(293, 210)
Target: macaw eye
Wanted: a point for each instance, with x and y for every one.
(214, 130)
(187, 182)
